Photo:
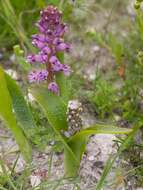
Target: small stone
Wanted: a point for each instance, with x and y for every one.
(30, 97)
(52, 143)
(1, 55)
(35, 180)
(96, 49)
(91, 158)
(117, 117)
(92, 76)
(67, 134)
(12, 73)
(12, 58)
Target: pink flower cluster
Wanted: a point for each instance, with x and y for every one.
(49, 41)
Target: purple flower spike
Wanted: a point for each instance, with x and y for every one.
(37, 76)
(53, 87)
(49, 41)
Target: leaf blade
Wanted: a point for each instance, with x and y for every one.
(22, 111)
(101, 129)
(50, 103)
(10, 120)
(78, 144)
(54, 107)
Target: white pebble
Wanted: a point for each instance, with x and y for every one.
(91, 158)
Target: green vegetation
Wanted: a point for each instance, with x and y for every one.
(107, 63)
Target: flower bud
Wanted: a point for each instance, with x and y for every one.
(74, 117)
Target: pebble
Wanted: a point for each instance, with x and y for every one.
(96, 49)
(12, 58)
(91, 158)
(30, 97)
(1, 55)
(35, 180)
(12, 73)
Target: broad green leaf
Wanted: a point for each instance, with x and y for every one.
(78, 144)
(21, 109)
(8, 116)
(71, 166)
(55, 110)
(101, 129)
(53, 105)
